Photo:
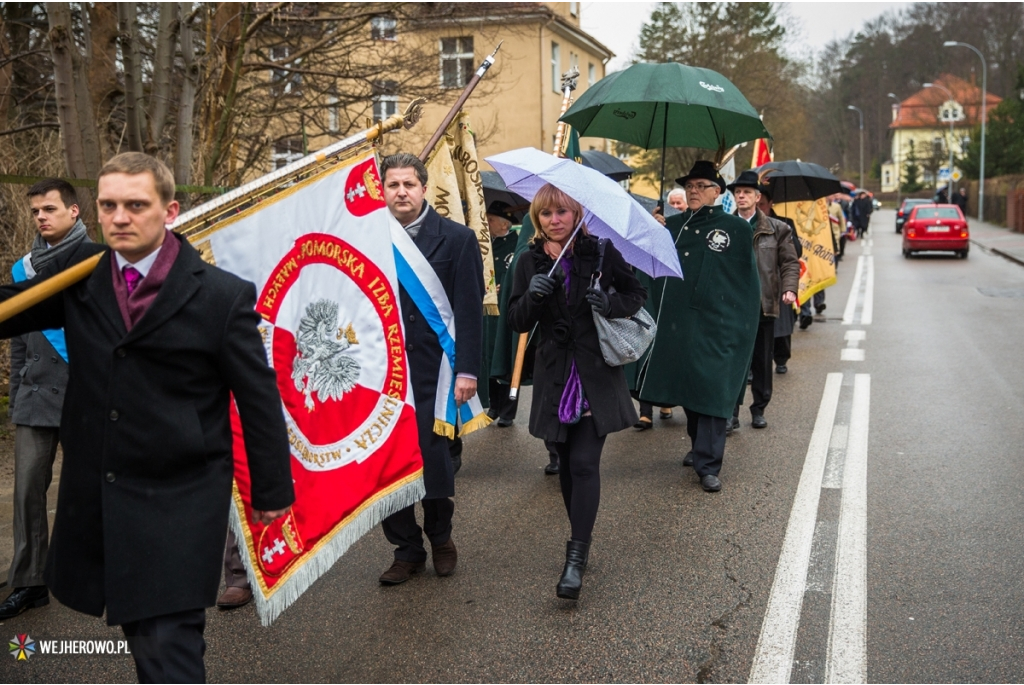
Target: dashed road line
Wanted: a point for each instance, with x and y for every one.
(853, 352)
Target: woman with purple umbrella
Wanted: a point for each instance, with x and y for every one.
(559, 285)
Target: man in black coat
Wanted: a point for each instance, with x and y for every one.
(454, 254)
(159, 343)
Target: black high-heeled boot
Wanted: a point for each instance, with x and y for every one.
(571, 582)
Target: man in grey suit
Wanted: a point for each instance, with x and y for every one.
(39, 376)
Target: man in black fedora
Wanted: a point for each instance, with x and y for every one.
(779, 271)
(707, 322)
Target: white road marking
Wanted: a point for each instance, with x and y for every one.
(846, 661)
(851, 301)
(855, 336)
(773, 660)
(868, 307)
(833, 478)
(851, 353)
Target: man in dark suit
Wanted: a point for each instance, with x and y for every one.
(39, 376)
(159, 344)
(454, 254)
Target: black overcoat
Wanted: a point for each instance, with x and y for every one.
(454, 254)
(567, 332)
(145, 489)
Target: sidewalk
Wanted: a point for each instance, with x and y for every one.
(999, 240)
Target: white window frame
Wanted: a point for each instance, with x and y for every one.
(288, 82)
(574, 9)
(383, 28)
(461, 55)
(556, 65)
(591, 74)
(384, 106)
(283, 158)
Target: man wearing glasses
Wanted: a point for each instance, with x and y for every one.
(706, 322)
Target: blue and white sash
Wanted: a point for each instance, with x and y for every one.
(22, 271)
(418, 279)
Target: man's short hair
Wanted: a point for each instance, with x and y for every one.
(134, 163)
(403, 160)
(67, 191)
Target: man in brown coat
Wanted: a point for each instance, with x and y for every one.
(779, 272)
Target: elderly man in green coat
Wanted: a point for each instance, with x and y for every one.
(706, 322)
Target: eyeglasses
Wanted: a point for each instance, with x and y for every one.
(689, 187)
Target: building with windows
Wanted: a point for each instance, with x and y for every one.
(921, 131)
(516, 105)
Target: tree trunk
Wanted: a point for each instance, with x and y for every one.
(163, 65)
(102, 70)
(229, 32)
(6, 76)
(186, 105)
(132, 60)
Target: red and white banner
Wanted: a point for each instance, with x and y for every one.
(321, 256)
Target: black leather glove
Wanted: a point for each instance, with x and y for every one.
(540, 287)
(600, 301)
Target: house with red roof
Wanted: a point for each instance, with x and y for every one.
(922, 123)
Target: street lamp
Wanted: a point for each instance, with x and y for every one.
(861, 114)
(896, 157)
(949, 183)
(984, 108)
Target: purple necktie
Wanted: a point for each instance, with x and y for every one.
(132, 276)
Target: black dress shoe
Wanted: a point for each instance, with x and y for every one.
(781, 369)
(642, 425)
(504, 423)
(732, 425)
(23, 599)
(750, 377)
(757, 421)
(688, 459)
(710, 483)
(552, 468)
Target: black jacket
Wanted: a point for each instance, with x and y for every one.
(454, 253)
(145, 490)
(567, 333)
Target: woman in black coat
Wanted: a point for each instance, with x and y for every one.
(578, 399)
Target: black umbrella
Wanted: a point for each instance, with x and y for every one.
(793, 181)
(496, 191)
(609, 165)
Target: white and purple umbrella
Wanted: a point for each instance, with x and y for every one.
(609, 210)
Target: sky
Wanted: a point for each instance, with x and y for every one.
(617, 24)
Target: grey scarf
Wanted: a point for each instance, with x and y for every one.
(413, 229)
(43, 254)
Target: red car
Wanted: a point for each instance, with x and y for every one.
(934, 227)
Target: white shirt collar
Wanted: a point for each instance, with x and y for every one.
(142, 266)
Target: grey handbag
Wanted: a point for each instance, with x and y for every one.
(622, 340)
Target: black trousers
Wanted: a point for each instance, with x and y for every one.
(169, 648)
(707, 442)
(579, 474)
(501, 406)
(783, 349)
(761, 368)
(402, 530)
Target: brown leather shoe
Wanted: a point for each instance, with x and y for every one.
(445, 557)
(234, 597)
(401, 571)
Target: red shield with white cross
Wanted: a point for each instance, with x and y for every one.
(364, 192)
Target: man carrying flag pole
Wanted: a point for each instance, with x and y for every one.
(441, 276)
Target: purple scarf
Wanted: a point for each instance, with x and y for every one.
(573, 403)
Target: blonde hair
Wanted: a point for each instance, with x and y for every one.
(134, 163)
(547, 197)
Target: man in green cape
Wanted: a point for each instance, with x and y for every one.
(504, 237)
(706, 322)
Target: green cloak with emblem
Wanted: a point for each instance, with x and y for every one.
(708, 320)
(502, 249)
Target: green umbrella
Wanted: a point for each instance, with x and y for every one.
(666, 105)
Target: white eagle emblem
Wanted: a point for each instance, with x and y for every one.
(321, 364)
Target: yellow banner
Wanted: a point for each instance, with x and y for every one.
(455, 190)
(814, 231)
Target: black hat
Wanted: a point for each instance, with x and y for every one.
(704, 169)
(502, 209)
(748, 179)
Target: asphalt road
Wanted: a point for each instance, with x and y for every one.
(871, 532)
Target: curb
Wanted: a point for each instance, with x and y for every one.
(1001, 253)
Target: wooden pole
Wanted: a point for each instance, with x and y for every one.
(466, 92)
(48, 288)
(568, 85)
